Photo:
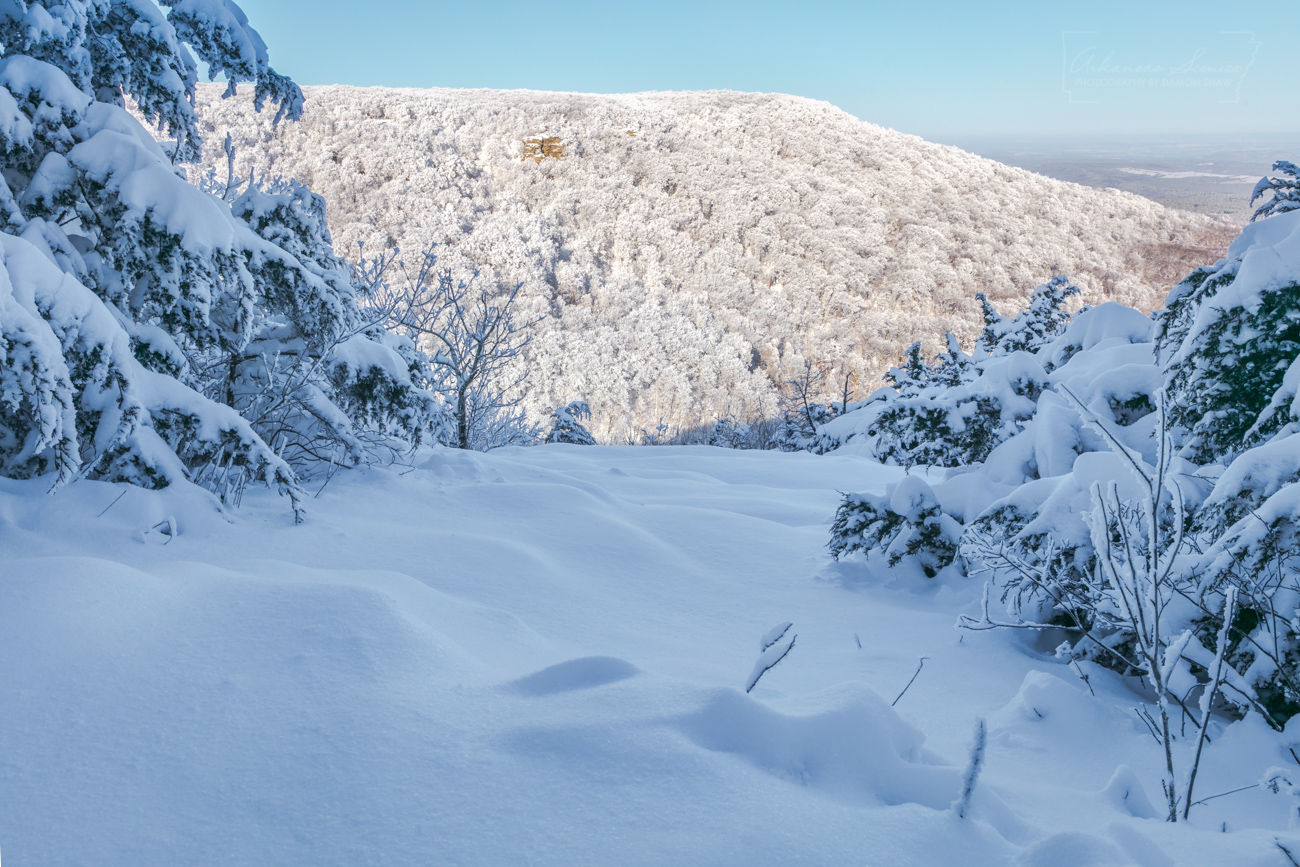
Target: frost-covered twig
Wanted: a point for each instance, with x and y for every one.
(112, 504)
(1144, 716)
(1226, 794)
(1083, 677)
(973, 767)
(1211, 689)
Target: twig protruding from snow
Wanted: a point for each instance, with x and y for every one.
(920, 665)
(772, 649)
(968, 780)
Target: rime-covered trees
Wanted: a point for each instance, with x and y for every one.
(686, 273)
(153, 334)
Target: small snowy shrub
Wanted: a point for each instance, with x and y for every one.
(1032, 328)
(801, 428)
(474, 339)
(566, 425)
(905, 522)
(727, 434)
(802, 416)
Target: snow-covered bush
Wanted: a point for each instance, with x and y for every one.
(905, 522)
(152, 332)
(956, 410)
(801, 428)
(1158, 450)
(1032, 328)
(762, 434)
(566, 425)
(727, 434)
(802, 413)
(1145, 502)
(1226, 354)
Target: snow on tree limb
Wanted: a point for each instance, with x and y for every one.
(152, 333)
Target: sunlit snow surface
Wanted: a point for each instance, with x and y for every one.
(538, 657)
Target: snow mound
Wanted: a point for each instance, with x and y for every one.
(585, 673)
(1125, 792)
(1046, 712)
(861, 752)
(1073, 849)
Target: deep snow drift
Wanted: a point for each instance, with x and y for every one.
(692, 249)
(539, 656)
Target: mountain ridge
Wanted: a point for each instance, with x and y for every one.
(693, 250)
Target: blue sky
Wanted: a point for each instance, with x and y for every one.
(947, 71)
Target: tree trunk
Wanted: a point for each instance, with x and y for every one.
(462, 419)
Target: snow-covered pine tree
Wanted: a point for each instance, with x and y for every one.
(936, 420)
(954, 367)
(147, 327)
(1226, 349)
(954, 411)
(1285, 190)
(913, 375)
(1230, 350)
(1036, 326)
(320, 375)
(566, 425)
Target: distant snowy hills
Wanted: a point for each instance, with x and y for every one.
(692, 250)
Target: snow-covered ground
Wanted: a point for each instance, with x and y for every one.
(538, 656)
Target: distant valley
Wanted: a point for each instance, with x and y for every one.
(1211, 176)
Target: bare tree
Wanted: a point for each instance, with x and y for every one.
(803, 389)
(473, 335)
(850, 388)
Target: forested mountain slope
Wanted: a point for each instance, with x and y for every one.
(691, 250)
